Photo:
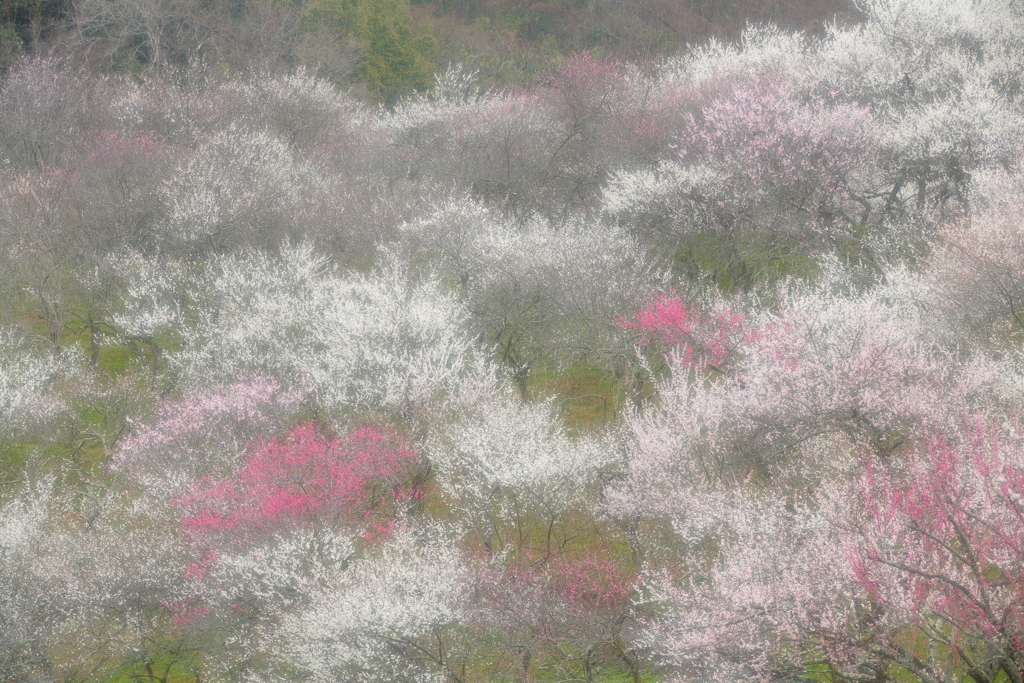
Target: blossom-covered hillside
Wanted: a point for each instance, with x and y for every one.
(705, 371)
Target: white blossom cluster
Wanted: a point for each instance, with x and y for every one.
(942, 81)
(63, 581)
(236, 178)
(579, 276)
(367, 342)
(514, 454)
(369, 621)
(27, 378)
(277, 573)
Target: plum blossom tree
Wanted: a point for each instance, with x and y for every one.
(542, 151)
(27, 382)
(743, 515)
(698, 341)
(542, 600)
(760, 591)
(759, 157)
(41, 251)
(974, 273)
(62, 219)
(945, 81)
(913, 579)
(25, 615)
(859, 372)
(510, 467)
(70, 610)
(389, 616)
(940, 556)
(41, 102)
(587, 95)
(925, 96)
(204, 435)
(494, 144)
(565, 616)
(555, 307)
(267, 538)
(299, 108)
(112, 189)
(208, 206)
(356, 343)
(303, 479)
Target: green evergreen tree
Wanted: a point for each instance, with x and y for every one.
(392, 65)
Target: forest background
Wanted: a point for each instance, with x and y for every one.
(382, 48)
(490, 342)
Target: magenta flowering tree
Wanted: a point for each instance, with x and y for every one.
(304, 479)
(941, 556)
(266, 539)
(693, 339)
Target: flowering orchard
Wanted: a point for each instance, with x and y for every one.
(709, 370)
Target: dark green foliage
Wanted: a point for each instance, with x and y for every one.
(10, 46)
(392, 65)
(335, 16)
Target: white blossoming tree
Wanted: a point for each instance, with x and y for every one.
(373, 342)
(388, 616)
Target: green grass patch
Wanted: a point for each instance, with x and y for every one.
(170, 668)
(13, 457)
(114, 360)
(590, 398)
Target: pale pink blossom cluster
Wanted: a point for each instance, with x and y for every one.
(204, 435)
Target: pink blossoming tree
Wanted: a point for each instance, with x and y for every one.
(942, 554)
(304, 479)
(694, 340)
